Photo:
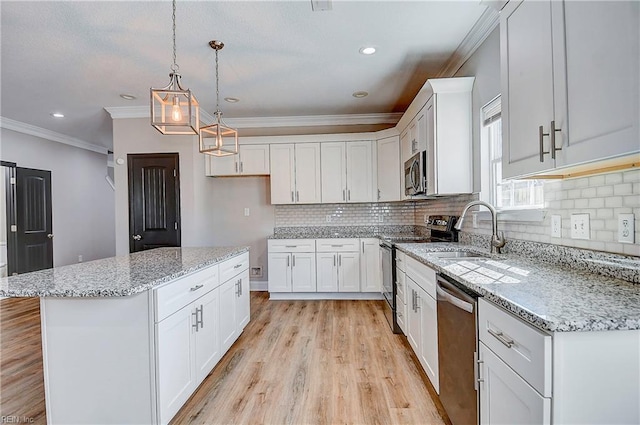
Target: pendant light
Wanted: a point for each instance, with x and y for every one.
(218, 139)
(174, 110)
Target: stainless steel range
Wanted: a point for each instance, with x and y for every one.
(441, 227)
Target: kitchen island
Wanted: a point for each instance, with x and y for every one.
(128, 339)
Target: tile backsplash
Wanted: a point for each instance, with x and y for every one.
(602, 196)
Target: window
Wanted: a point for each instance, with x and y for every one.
(504, 194)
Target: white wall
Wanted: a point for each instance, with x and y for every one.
(212, 209)
(83, 201)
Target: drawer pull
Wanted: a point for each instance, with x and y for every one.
(291, 246)
(337, 246)
(195, 288)
(502, 338)
(237, 265)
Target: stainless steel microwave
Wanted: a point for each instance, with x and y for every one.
(415, 174)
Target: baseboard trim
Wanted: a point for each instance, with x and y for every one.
(259, 285)
(325, 296)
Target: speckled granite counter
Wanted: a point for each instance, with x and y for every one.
(322, 232)
(115, 276)
(553, 298)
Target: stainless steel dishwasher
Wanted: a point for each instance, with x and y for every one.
(457, 347)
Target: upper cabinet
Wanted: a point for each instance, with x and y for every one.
(414, 137)
(570, 84)
(447, 124)
(295, 173)
(251, 160)
(347, 171)
(388, 169)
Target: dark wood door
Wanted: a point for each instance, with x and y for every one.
(34, 228)
(154, 201)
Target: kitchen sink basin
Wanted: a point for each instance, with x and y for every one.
(458, 254)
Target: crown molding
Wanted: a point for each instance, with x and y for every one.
(124, 112)
(43, 133)
(487, 22)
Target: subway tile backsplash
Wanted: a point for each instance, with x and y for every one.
(603, 197)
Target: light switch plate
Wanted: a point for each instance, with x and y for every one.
(246, 212)
(556, 226)
(580, 226)
(626, 228)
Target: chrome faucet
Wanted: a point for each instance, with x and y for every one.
(497, 241)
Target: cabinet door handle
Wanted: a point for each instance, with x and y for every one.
(292, 198)
(340, 260)
(507, 342)
(378, 194)
(297, 196)
(344, 194)
(287, 261)
(201, 316)
(236, 167)
(363, 247)
(195, 288)
(293, 264)
(195, 320)
(239, 283)
(349, 195)
(241, 167)
(552, 134)
(237, 265)
(417, 302)
(541, 135)
(334, 260)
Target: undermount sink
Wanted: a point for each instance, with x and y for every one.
(458, 254)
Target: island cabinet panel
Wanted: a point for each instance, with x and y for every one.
(136, 359)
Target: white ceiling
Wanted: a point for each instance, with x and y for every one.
(280, 58)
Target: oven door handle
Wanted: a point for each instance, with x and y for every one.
(444, 295)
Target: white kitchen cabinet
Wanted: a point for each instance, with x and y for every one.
(207, 334)
(347, 171)
(389, 170)
(339, 265)
(418, 132)
(175, 362)
(405, 146)
(327, 279)
(448, 127)
(234, 299)
(506, 398)
(251, 160)
(228, 328)
(574, 66)
(292, 265)
(422, 318)
(370, 267)
(402, 309)
(243, 301)
(295, 173)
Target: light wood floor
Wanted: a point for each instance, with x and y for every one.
(297, 362)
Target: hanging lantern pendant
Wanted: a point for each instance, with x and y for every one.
(218, 139)
(174, 110)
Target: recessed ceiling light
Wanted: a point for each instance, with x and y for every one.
(57, 115)
(368, 50)
(360, 94)
(127, 96)
(232, 99)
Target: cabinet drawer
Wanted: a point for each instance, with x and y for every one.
(292, 245)
(337, 245)
(401, 260)
(525, 349)
(174, 295)
(233, 266)
(424, 276)
(401, 284)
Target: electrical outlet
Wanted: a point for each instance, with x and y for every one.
(556, 226)
(580, 226)
(256, 271)
(626, 228)
(246, 212)
(328, 218)
(80, 258)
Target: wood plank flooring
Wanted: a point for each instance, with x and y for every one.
(297, 362)
(314, 362)
(21, 378)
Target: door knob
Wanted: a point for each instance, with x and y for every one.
(137, 237)
(50, 235)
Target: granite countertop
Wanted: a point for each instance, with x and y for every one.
(550, 297)
(116, 276)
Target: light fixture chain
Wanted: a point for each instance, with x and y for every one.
(217, 86)
(175, 66)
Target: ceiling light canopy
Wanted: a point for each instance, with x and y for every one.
(218, 139)
(232, 99)
(127, 96)
(360, 94)
(174, 110)
(368, 50)
(57, 115)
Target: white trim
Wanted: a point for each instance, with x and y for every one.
(123, 112)
(325, 296)
(487, 22)
(258, 285)
(528, 215)
(43, 133)
(110, 181)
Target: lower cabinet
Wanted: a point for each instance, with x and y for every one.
(370, 265)
(292, 265)
(506, 398)
(338, 271)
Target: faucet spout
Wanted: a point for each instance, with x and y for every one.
(497, 240)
